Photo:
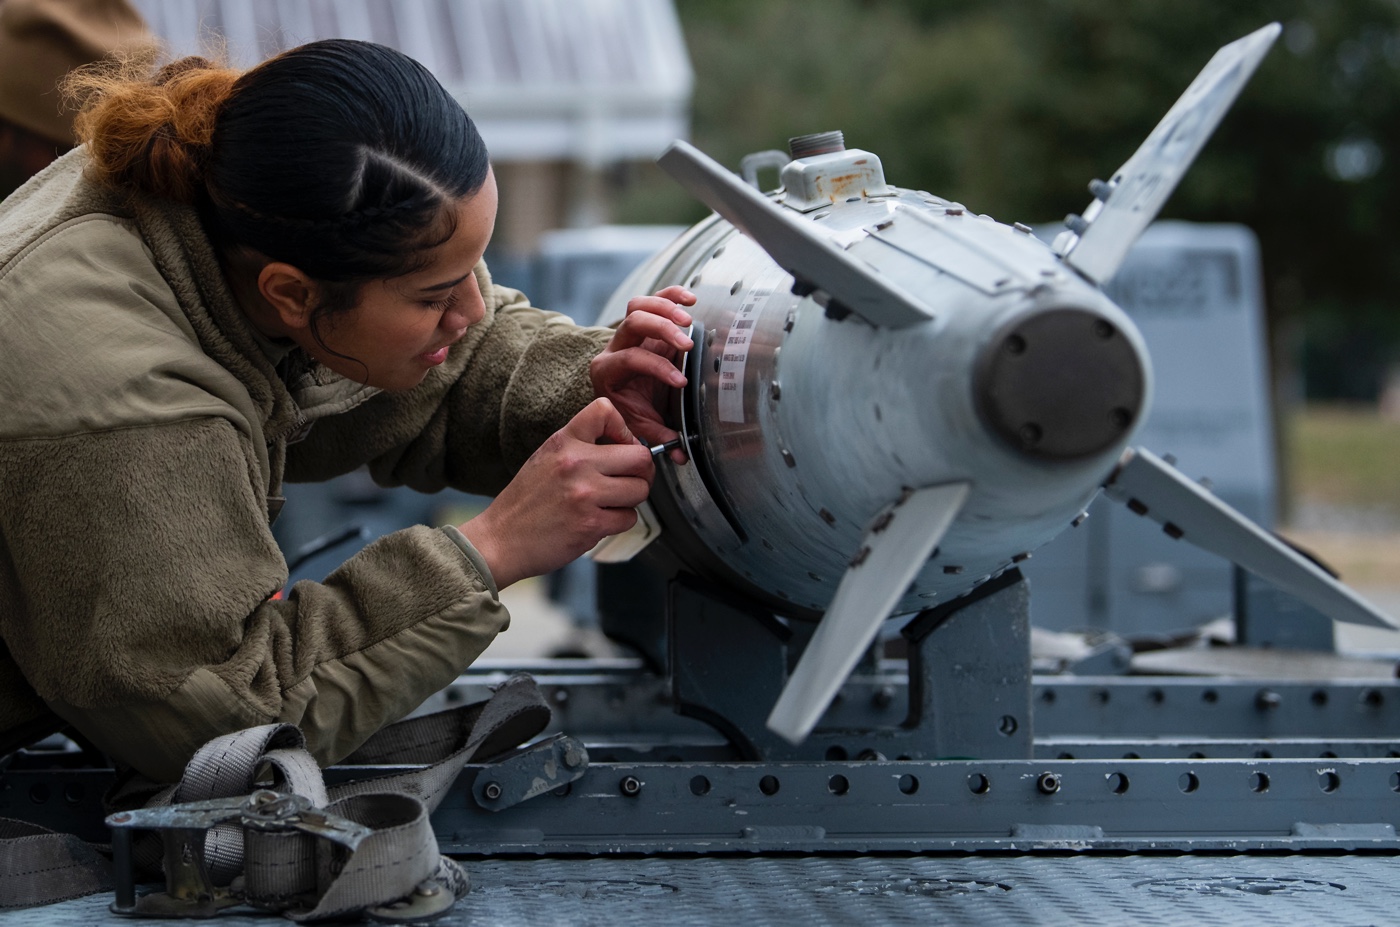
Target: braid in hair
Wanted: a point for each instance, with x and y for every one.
(342, 158)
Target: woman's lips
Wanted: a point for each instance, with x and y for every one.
(433, 358)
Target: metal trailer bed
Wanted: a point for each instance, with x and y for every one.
(954, 787)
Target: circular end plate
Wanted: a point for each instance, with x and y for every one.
(1061, 384)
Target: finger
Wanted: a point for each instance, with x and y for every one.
(615, 429)
(605, 497)
(617, 367)
(659, 306)
(599, 421)
(623, 461)
(639, 325)
(623, 492)
(677, 294)
(646, 424)
(619, 520)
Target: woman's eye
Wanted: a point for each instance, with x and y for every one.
(442, 305)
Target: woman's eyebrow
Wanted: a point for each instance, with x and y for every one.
(444, 286)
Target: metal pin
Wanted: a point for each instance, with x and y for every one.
(663, 448)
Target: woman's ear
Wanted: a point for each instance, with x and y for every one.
(290, 292)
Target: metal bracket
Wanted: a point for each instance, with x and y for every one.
(969, 672)
(530, 771)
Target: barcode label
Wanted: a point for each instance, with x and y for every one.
(734, 360)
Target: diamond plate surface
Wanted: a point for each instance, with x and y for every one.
(986, 891)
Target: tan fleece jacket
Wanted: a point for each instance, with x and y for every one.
(144, 437)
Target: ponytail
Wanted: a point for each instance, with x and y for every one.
(152, 136)
(342, 158)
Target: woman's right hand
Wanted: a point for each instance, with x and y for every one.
(582, 485)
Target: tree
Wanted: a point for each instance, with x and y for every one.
(1011, 106)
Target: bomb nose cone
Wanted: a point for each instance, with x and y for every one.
(1060, 384)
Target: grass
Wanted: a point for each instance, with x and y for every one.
(1347, 456)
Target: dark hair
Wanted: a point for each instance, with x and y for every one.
(338, 157)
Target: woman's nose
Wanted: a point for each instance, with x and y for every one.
(469, 310)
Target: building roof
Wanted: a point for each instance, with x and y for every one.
(595, 81)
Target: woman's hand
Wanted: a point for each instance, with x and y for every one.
(582, 485)
(637, 368)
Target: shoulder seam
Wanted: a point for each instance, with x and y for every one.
(210, 419)
(55, 231)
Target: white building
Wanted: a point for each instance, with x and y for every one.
(562, 90)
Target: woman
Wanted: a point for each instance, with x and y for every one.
(245, 278)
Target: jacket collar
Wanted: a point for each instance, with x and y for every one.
(304, 392)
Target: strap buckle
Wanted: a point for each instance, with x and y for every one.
(189, 888)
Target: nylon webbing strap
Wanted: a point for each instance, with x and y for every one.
(226, 766)
(38, 866)
(399, 855)
(516, 712)
(293, 870)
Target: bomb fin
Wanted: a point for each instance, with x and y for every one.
(893, 552)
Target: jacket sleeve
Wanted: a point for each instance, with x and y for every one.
(516, 378)
(145, 571)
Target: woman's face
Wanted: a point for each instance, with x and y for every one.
(402, 327)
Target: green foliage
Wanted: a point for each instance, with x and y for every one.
(1344, 457)
(1012, 106)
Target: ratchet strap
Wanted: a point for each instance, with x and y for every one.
(251, 822)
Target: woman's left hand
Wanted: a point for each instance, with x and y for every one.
(637, 368)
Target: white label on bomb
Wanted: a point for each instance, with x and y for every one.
(735, 356)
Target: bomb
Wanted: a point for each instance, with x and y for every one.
(892, 400)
